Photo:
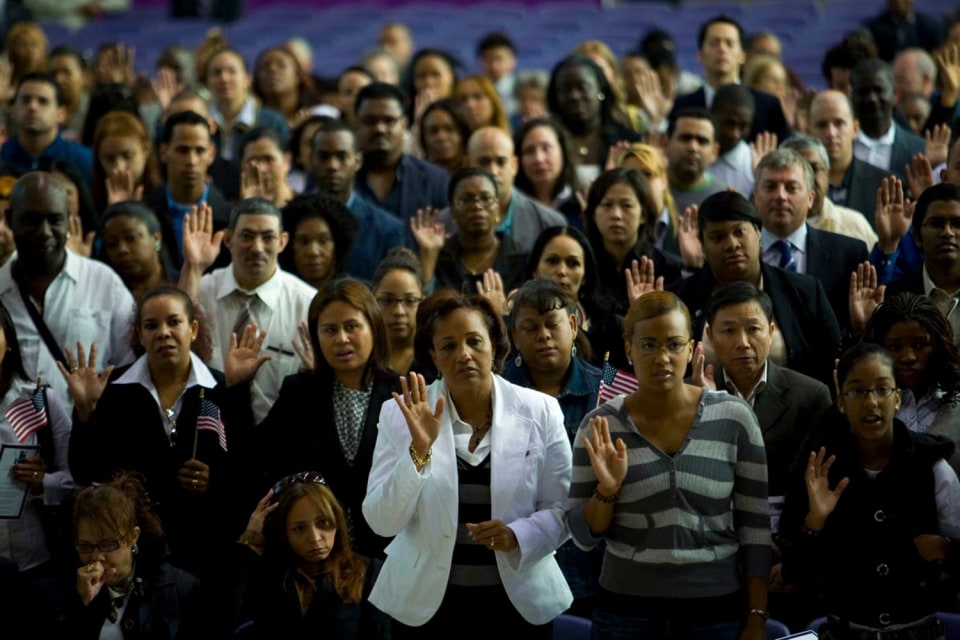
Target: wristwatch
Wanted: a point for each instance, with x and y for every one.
(763, 613)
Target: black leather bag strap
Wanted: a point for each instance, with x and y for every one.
(42, 328)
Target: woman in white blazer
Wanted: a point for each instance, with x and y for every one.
(470, 475)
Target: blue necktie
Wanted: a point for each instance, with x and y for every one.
(786, 255)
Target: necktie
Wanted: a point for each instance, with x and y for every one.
(247, 314)
(786, 255)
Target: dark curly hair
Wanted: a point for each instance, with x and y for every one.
(307, 206)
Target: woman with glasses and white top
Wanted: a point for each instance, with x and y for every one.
(872, 517)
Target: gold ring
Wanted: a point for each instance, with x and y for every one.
(73, 369)
(196, 474)
(194, 483)
(492, 541)
(36, 474)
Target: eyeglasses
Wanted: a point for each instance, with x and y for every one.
(861, 394)
(388, 302)
(939, 224)
(85, 548)
(306, 477)
(674, 347)
(485, 200)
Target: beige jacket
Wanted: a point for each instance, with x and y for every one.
(844, 221)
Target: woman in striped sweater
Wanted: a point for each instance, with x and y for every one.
(674, 478)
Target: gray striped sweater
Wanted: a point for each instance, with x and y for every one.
(691, 525)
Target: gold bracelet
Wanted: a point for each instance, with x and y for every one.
(417, 460)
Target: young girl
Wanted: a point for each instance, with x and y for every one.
(307, 580)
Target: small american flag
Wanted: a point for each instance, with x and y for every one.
(28, 416)
(209, 420)
(614, 382)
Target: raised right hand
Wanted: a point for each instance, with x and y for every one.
(703, 376)
(428, 232)
(609, 460)
(201, 245)
(423, 423)
(893, 216)
(84, 384)
(822, 499)
(91, 578)
(865, 296)
(259, 515)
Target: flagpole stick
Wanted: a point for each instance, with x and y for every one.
(606, 360)
(196, 432)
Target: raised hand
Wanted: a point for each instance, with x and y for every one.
(822, 499)
(919, 175)
(264, 508)
(200, 245)
(80, 244)
(937, 146)
(892, 216)
(764, 144)
(703, 376)
(423, 100)
(116, 65)
(122, 187)
(948, 61)
(243, 358)
(491, 288)
(613, 154)
(428, 232)
(609, 460)
(641, 279)
(691, 249)
(422, 421)
(865, 296)
(166, 86)
(91, 578)
(652, 98)
(256, 182)
(84, 384)
(304, 347)
(7, 88)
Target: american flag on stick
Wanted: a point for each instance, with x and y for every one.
(209, 420)
(614, 382)
(29, 415)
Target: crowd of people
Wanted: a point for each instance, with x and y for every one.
(419, 352)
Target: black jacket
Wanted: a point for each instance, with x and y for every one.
(831, 258)
(157, 200)
(767, 115)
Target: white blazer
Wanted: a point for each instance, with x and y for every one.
(530, 468)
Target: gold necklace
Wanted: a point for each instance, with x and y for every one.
(478, 434)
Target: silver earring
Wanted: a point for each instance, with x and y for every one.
(573, 352)
(134, 549)
(600, 96)
(156, 246)
(518, 360)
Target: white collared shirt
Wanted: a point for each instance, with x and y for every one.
(86, 302)
(953, 315)
(139, 373)
(284, 302)
(751, 397)
(919, 413)
(735, 167)
(798, 247)
(246, 116)
(875, 151)
(463, 432)
(845, 221)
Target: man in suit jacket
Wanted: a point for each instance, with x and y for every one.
(741, 328)
(720, 46)
(852, 182)
(880, 141)
(936, 230)
(521, 217)
(729, 229)
(900, 27)
(784, 194)
(389, 178)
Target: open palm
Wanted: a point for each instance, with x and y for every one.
(608, 459)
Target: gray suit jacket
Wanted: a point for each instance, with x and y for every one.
(947, 424)
(530, 218)
(905, 145)
(786, 408)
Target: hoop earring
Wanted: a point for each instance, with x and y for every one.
(573, 352)
(601, 97)
(518, 360)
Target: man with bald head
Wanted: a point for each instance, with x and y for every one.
(47, 289)
(521, 217)
(852, 182)
(395, 39)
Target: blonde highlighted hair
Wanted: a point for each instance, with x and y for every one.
(651, 159)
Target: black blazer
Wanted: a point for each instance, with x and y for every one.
(864, 181)
(767, 114)
(801, 311)
(786, 408)
(127, 432)
(300, 434)
(831, 258)
(157, 200)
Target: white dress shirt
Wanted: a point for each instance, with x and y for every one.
(246, 116)
(798, 247)
(751, 397)
(88, 302)
(284, 301)
(875, 151)
(952, 310)
(735, 167)
(844, 221)
(22, 540)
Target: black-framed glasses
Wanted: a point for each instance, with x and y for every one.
(881, 393)
(104, 546)
(306, 477)
(388, 302)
